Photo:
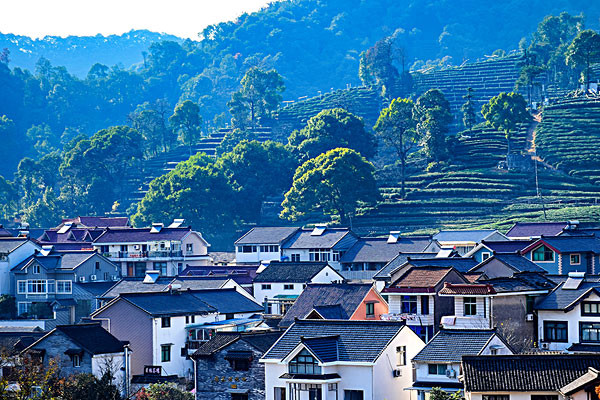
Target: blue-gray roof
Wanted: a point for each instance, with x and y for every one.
(267, 235)
(292, 272)
(91, 337)
(325, 348)
(358, 341)
(514, 261)
(564, 299)
(463, 235)
(461, 264)
(8, 244)
(572, 244)
(385, 273)
(451, 345)
(303, 239)
(520, 282)
(379, 250)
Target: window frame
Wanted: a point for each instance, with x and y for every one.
(64, 284)
(578, 255)
(165, 353)
(562, 325)
(24, 287)
(400, 356)
(590, 303)
(485, 255)
(546, 250)
(370, 309)
(408, 300)
(471, 306)
(438, 367)
(495, 397)
(295, 257)
(165, 322)
(288, 286)
(265, 286)
(36, 269)
(303, 362)
(354, 394)
(76, 361)
(595, 326)
(424, 305)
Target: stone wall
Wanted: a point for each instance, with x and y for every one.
(55, 346)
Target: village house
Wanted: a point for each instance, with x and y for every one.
(414, 298)
(332, 359)
(164, 328)
(349, 301)
(535, 230)
(506, 265)
(383, 277)
(262, 244)
(463, 241)
(369, 255)
(563, 254)
(472, 306)
(167, 250)
(227, 366)
(438, 364)
(487, 249)
(461, 264)
(12, 252)
(279, 284)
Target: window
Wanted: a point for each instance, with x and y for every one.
(269, 249)
(124, 248)
(437, 369)
(280, 393)
(336, 256)
(165, 353)
(247, 249)
(36, 269)
(161, 267)
(319, 255)
(265, 286)
(24, 308)
(353, 395)
(590, 308)
(240, 364)
(304, 363)
(189, 247)
(295, 257)
(470, 304)
(22, 287)
(370, 309)
(529, 303)
(425, 305)
(76, 360)
(97, 265)
(229, 316)
(288, 286)
(589, 332)
(239, 396)
(575, 259)
(106, 276)
(409, 304)
(543, 253)
(165, 322)
(51, 286)
(495, 397)
(104, 249)
(485, 256)
(400, 356)
(63, 287)
(36, 286)
(555, 331)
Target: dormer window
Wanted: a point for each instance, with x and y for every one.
(470, 306)
(304, 363)
(543, 253)
(36, 269)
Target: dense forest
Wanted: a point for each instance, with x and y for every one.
(71, 143)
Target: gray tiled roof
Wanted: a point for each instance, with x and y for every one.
(386, 272)
(7, 244)
(536, 229)
(515, 261)
(461, 264)
(463, 235)
(451, 345)
(335, 300)
(506, 246)
(524, 373)
(379, 250)
(520, 282)
(261, 341)
(91, 337)
(267, 235)
(301, 272)
(561, 299)
(303, 239)
(360, 341)
(136, 285)
(139, 235)
(59, 260)
(572, 244)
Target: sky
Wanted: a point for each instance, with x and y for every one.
(184, 18)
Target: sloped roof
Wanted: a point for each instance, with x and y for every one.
(100, 222)
(70, 259)
(303, 239)
(261, 341)
(506, 246)
(563, 299)
(421, 278)
(469, 289)
(8, 244)
(461, 264)
(450, 345)
(91, 337)
(523, 282)
(140, 235)
(536, 229)
(324, 347)
(267, 234)
(358, 341)
(386, 272)
(293, 272)
(524, 373)
(379, 250)
(568, 244)
(137, 285)
(73, 235)
(514, 261)
(591, 376)
(335, 300)
(476, 235)
(87, 289)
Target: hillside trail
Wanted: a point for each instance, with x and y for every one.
(530, 142)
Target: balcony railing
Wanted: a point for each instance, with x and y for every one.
(144, 254)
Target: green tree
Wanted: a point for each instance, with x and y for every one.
(187, 122)
(584, 51)
(42, 139)
(163, 391)
(433, 116)
(335, 183)
(149, 120)
(89, 387)
(397, 129)
(8, 199)
(377, 66)
(257, 170)
(468, 110)
(527, 78)
(437, 393)
(505, 112)
(232, 138)
(258, 97)
(330, 129)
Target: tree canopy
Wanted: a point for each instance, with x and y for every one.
(433, 116)
(505, 112)
(584, 51)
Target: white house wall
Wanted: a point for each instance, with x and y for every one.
(7, 285)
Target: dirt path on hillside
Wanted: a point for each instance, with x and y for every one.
(530, 142)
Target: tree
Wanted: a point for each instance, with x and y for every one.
(437, 393)
(232, 138)
(376, 66)
(334, 183)
(163, 391)
(89, 387)
(187, 122)
(8, 199)
(250, 167)
(584, 51)
(468, 110)
(505, 112)
(527, 77)
(330, 129)
(432, 113)
(42, 139)
(397, 128)
(149, 120)
(259, 96)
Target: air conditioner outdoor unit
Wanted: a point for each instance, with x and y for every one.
(136, 246)
(397, 373)
(92, 277)
(82, 279)
(450, 373)
(115, 278)
(545, 346)
(529, 317)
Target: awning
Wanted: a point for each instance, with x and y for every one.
(238, 355)
(72, 352)
(286, 297)
(427, 386)
(307, 377)
(237, 391)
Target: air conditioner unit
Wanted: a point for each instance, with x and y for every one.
(397, 373)
(545, 346)
(82, 279)
(450, 373)
(115, 278)
(529, 317)
(92, 277)
(136, 246)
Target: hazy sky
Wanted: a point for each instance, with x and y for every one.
(185, 18)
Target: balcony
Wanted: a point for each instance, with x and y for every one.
(466, 322)
(410, 319)
(138, 255)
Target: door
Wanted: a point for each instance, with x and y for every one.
(314, 394)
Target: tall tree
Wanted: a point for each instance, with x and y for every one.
(433, 116)
(187, 121)
(377, 66)
(505, 112)
(468, 110)
(397, 129)
(258, 97)
(330, 129)
(584, 51)
(335, 183)
(527, 78)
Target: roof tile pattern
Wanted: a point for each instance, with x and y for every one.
(451, 345)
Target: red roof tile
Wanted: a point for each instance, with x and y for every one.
(467, 289)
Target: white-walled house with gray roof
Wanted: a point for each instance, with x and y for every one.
(12, 252)
(262, 244)
(334, 360)
(463, 241)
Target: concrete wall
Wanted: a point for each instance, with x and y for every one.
(7, 285)
(509, 318)
(495, 268)
(55, 346)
